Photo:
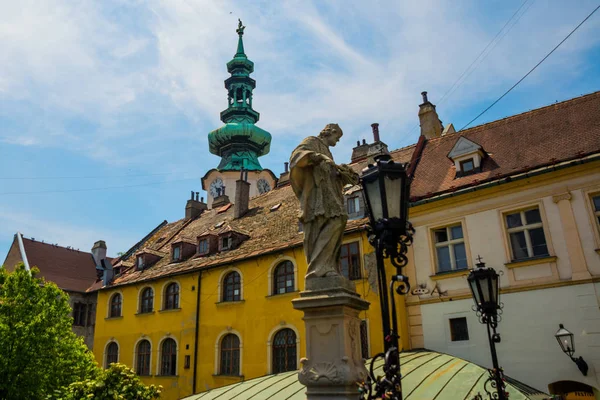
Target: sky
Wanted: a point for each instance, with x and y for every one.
(105, 106)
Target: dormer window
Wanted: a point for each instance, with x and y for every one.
(353, 205)
(176, 253)
(467, 166)
(226, 243)
(467, 157)
(140, 262)
(203, 246)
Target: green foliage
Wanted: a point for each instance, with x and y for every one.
(39, 353)
(116, 382)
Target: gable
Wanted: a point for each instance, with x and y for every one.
(463, 147)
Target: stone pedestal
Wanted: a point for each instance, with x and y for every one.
(333, 363)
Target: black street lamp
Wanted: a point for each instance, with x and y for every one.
(386, 188)
(484, 285)
(565, 340)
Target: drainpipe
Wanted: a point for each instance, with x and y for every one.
(196, 332)
(22, 250)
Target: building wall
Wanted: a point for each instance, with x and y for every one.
(255, 319)
(528, 351)
(538, 293)
(132, 327)
(86, 331)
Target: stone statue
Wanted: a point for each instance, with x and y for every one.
(318, 183)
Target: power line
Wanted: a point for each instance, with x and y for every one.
(82, 177)
(100, 188)
(452, 89)
(531, 70)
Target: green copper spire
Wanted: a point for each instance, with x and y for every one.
(239, 142)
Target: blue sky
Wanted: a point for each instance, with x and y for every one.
(105, 106)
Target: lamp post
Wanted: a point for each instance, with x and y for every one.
(484, 285)
(386, 188)
(565, 340)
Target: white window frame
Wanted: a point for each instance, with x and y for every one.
(220, 337)
(105, 355)
(524, 228)
(282, 325)
(450, 244)
(139, 299)
(221, 285)
(356, 202)
(159, 355)
(135, 355)
(271, 271)
(595, 213)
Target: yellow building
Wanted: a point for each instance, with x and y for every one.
(229, 312)
(206, 301)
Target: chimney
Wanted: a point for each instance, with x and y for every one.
(242, 197)
(99, 251)
(284, 177)
(375, 127)
(194, 207)
(431, 126)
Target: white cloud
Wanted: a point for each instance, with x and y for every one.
(129, 67)
(59, 232)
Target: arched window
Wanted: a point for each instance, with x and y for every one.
(284, 351)
(232, 289)
(112, 354)
(168, 357)
(147, 300)
(115, 305)
(283, 278)
(172, 296)
(143, 358)
(230, 355)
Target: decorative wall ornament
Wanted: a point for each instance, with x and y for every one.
(562, 196)
(321, 370)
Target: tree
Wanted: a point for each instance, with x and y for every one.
(39, 353)
(115, 383)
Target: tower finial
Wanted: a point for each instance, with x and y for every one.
(240, 29)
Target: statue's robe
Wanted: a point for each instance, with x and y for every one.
(318, 186)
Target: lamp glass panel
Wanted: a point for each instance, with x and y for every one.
(374, 197)
(565, 339)
(473, 284)
(486, 288)
(494, 283)
(393, 192)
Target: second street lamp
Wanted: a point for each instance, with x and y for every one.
(386, 188)
(484, 285)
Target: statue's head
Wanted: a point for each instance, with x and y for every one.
(331, 134)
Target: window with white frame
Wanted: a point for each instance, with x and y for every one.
(450, 251)
(526, 234)
(176, 253)
(596, 206)
(203, 246)
(353, 205)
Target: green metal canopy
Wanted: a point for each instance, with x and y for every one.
(426, 375)
(239, 142)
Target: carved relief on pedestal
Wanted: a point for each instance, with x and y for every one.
(311, 374)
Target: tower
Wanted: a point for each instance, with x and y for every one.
(239, 142)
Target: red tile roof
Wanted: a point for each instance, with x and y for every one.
(541, 137)
(72, 270)
(268, 232)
